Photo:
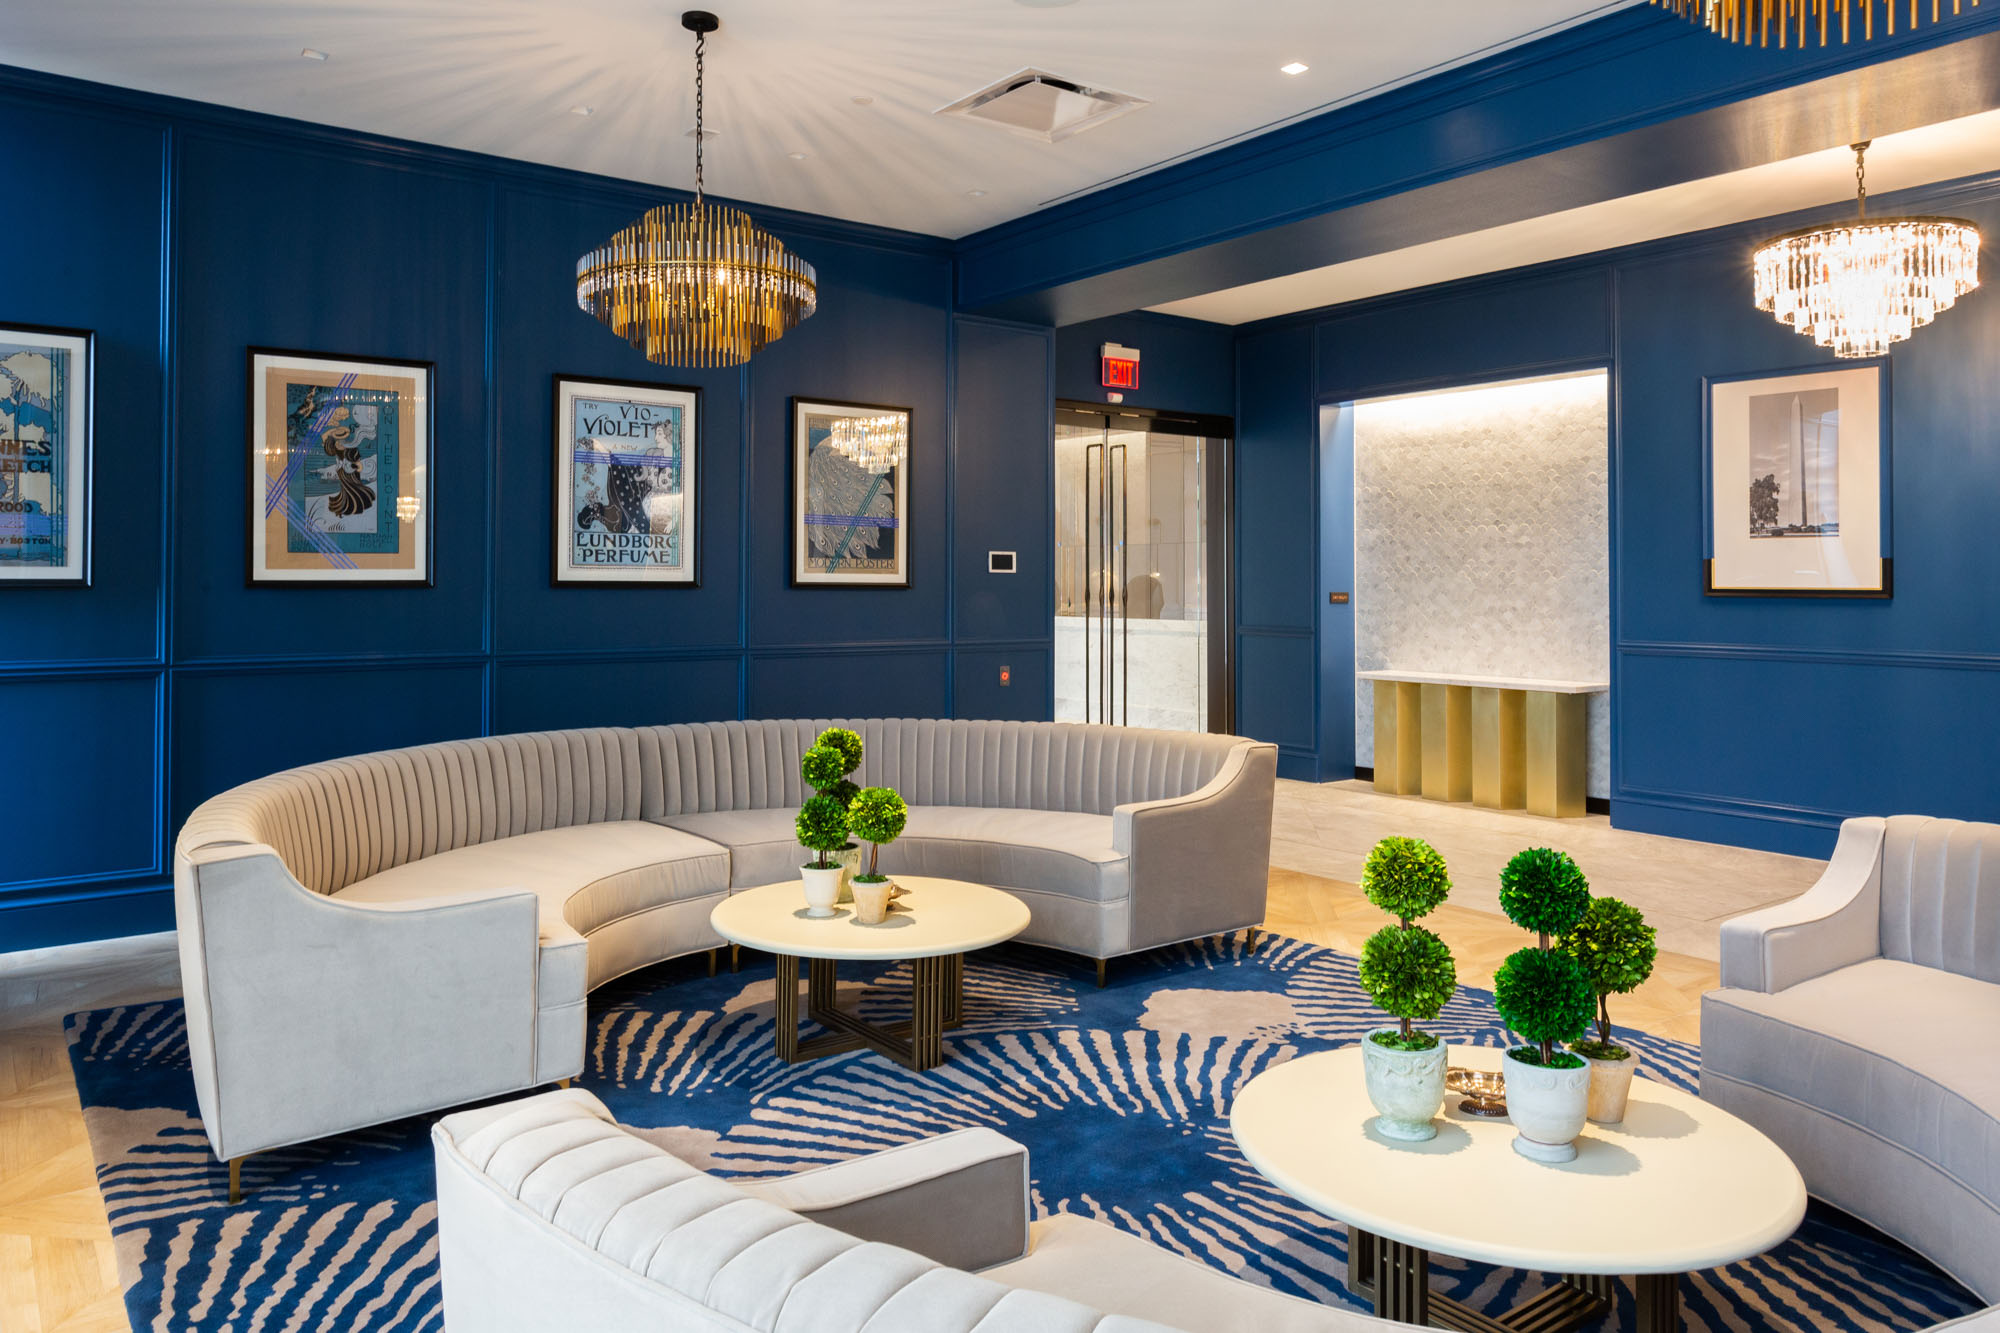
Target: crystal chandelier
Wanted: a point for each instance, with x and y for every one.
(874, 444)
(1788, 21)
(1858, 288)
(696, 284)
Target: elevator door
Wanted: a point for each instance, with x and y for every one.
(1141, 581)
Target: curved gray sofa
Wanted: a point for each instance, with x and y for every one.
(401, 932)
(551, 1215)
(1856, 1027)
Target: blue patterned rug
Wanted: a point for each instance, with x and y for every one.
(1122, 1096)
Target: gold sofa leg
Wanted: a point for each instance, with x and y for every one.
(562, 1083)
(735, 957)
(1250, 940)
(235, 1181)
(711, 962)
(1100, 973)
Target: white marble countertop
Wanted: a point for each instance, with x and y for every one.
(1489, 682)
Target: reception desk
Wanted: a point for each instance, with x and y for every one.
(1501, 742)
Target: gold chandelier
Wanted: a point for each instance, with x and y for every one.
(1761, 21)
(697, 284)
(1858, 288)
(874, 444)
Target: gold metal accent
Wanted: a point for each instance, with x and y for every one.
(1558, 756)
(1447, 741)
(735, 958)
(562, 1083)
(697, 284)
(937, 1004)
(1399, 737)
(235, 1180)
(1792, 21)
(711, 962)
(1499, 748)
(1100, 973)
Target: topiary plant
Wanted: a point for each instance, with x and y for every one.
(1544, 996)
(834, 754)
(1407, 970)
(1543, 890)
(876, 815)
(822, 827)
(1405, 877)
(1617, 950)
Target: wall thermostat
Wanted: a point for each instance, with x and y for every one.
(999, 562)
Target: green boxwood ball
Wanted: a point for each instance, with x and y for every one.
(843, 791)
(877, 814)
(848, 743)
(1615, 946)
(1544, 995)
(822, 824)
(1543, 890)
(822, 767)
(1408, 972)
(1405, 877)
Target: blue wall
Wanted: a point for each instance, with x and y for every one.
(1760, 721)
(184, 234)
(1188, 365)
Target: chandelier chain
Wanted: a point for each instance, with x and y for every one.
(1861, 177)
(700, 43)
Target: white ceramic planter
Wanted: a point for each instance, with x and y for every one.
(849, 858)
(1548, 1108)
(1407, 1088)
(1610, 1088)
(822, 889)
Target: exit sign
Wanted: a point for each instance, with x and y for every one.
(1121, 366)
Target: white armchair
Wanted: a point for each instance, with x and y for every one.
(289, 993)
(1855, 1027)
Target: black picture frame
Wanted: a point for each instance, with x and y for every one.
(795, 517)
(15, 578)
(255, 472)
(1883, 427)
(693, 493)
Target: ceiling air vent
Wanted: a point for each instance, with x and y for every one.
(1042, 105)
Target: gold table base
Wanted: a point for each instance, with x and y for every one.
(1396, 1280)
(937, 1004)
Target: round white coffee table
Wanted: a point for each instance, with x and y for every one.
(1680, 1185)
(934, 924)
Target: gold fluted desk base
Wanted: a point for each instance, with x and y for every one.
(1501, 744)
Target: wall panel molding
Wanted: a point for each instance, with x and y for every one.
(1906, 658)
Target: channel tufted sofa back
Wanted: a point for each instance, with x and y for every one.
(342, 821)
(1941, 895)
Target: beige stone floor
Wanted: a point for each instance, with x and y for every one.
(57, 1269)
(1686, 889)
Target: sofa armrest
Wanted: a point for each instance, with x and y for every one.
(960, 1199)
(1201, 863)
(1835, 923)
(308, 1015)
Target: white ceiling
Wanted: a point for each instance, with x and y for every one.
(1945, 151)
(501, 77)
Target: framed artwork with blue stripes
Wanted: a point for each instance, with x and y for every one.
(626, 485)
(850, 494)
(340, 470)
(45, 446)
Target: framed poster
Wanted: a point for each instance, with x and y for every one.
(1797, 471)
(627, 510)
(340, 465)
(850, 494)
(45, 387)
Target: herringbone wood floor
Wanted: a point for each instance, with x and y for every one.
(58, 1272)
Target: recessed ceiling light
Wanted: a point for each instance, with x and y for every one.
(1296, 67)
(796, 157)
(863, 101)
(310, 54)
(977, 194)
(583, 111)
